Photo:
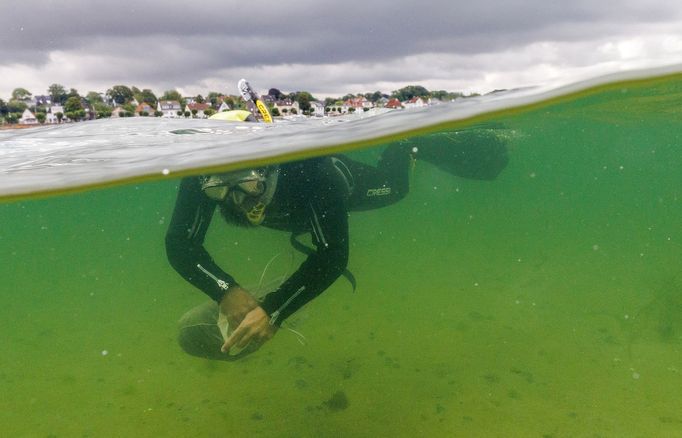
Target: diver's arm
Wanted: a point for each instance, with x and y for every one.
(329, 223)
(185, 238)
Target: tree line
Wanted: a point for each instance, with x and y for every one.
(79, 107)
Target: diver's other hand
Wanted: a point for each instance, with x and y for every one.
(254, 328)
(236, 304)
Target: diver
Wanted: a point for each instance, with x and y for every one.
(312, 196)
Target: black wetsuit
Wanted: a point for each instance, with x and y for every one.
(314, 196)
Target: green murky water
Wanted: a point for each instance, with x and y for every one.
(545, 303)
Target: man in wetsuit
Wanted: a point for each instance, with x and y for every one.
(312, 196)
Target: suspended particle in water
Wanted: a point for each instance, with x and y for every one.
(635, 375)
(165, 171)
(105, 352)
(595, 247)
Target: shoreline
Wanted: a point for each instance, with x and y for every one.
(19, 126)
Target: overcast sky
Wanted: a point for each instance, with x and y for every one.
(327, 47)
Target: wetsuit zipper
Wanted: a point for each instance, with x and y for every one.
(275, 314)
(221, 283)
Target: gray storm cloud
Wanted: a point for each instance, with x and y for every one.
(185, 43)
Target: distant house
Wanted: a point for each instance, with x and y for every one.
(286, 106)
(382, 101)
(169, 108)
(42, 100)
(417, 102)
(28, 118)
(200, 109)
(51, 116)
(144, 108)
(268, 99)
(223, 107)
(336, 109)
(359, 103)
(117, 112)
(317, 108)
(393, 104)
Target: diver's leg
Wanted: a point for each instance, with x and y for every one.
(476, 153)
(199, 333)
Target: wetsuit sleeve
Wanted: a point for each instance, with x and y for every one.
(328, 220)
(185, 241)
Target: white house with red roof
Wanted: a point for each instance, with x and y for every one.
(144, 108)
(393, 104)
(417, 102)
(200, 109)
(359, 103)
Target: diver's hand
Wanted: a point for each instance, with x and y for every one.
(236, 304)
(255, 327)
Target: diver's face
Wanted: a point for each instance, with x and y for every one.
(246, 196)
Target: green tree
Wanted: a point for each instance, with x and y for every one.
(187, 114)
(57, 93)
(209, 112)
(199, 99)
(231, 102)
(72, 105)
(303, 98)
(172, 95)
(12, 118)
(93, 98)
(102, 110)
(275, 112)
(15, 106)
(445, 95)
(41, 117)
(274, 92)
(21, 94)
(59, 117)
(375, 97)
(158, 113)
(407, 93)
(72, 93)
(120, 94)
(3, 107)
(214, 98)
(146, 96)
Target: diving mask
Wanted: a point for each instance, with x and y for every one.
(251, 190)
